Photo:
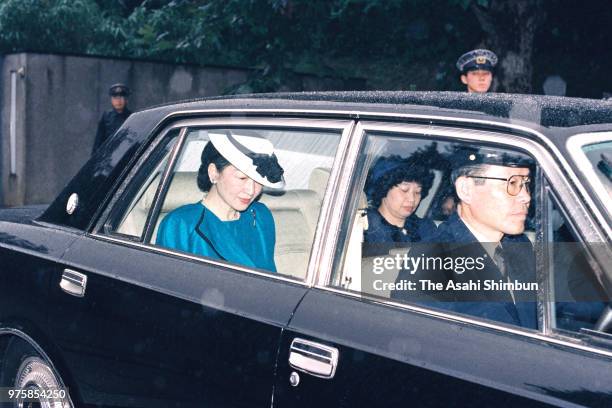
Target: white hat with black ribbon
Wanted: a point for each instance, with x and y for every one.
(251, 154)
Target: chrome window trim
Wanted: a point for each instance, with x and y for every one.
(373, 115)
(331, 229)
(575, 146)
(548, 166)
(345, 126)
(161, 190)
(267, 122)
(546, 310)
(326, 221)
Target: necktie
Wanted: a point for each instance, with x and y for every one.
(498, 258)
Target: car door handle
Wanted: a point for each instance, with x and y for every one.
(313, 358)
(73, 283)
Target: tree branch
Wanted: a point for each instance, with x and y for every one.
(485, 20)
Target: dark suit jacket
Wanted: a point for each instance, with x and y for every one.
(107, 126)
(454, 240)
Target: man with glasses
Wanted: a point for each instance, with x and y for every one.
(483, 248)
(494, 196)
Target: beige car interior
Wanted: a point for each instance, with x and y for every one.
(295, 213)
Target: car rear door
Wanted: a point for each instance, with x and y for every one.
(154, 327)
(346, 348)
(155, 330)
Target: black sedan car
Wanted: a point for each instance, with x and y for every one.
(97, 309)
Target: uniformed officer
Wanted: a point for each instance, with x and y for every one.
(476, 69)
(113, 119)
(488, 227)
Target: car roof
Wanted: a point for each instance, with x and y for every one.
(555, 118)
(541, 110)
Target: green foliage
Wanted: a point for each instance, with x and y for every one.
(165, 33)
(379, 39)
(48, 25)
(395, 44)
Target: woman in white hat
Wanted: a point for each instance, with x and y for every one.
(228, 223)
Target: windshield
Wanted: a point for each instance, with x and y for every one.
(592, 154)
(596, 167)
(600, 157)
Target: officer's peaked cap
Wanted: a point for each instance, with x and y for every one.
(471, 156)
(119, 90)
(477, 59)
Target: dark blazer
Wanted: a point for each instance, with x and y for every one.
(454, 240)
(382, 236)
(107, 126)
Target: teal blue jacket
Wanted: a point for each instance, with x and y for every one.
(247, 241)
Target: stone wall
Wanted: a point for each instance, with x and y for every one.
(59, 99)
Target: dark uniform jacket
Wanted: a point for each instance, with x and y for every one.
(107, 126)
(454, 240)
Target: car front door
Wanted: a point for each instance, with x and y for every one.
(349, 346)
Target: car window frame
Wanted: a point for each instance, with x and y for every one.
(110, 209)
(550, 199)
(575, 145)
(549, 167)
(343, 126)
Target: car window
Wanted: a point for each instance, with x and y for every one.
(577, 292)
(276, 231)
(129, 214)
(408, 243)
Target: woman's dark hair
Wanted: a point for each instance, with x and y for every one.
(390, 171)
(209, 155)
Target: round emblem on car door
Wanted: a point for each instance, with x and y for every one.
(294, 379)
(72, 203)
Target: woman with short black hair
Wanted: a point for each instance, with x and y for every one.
(395, 187)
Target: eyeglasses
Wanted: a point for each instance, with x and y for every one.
(514, 184)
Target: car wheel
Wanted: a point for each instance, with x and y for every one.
(24, 369)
